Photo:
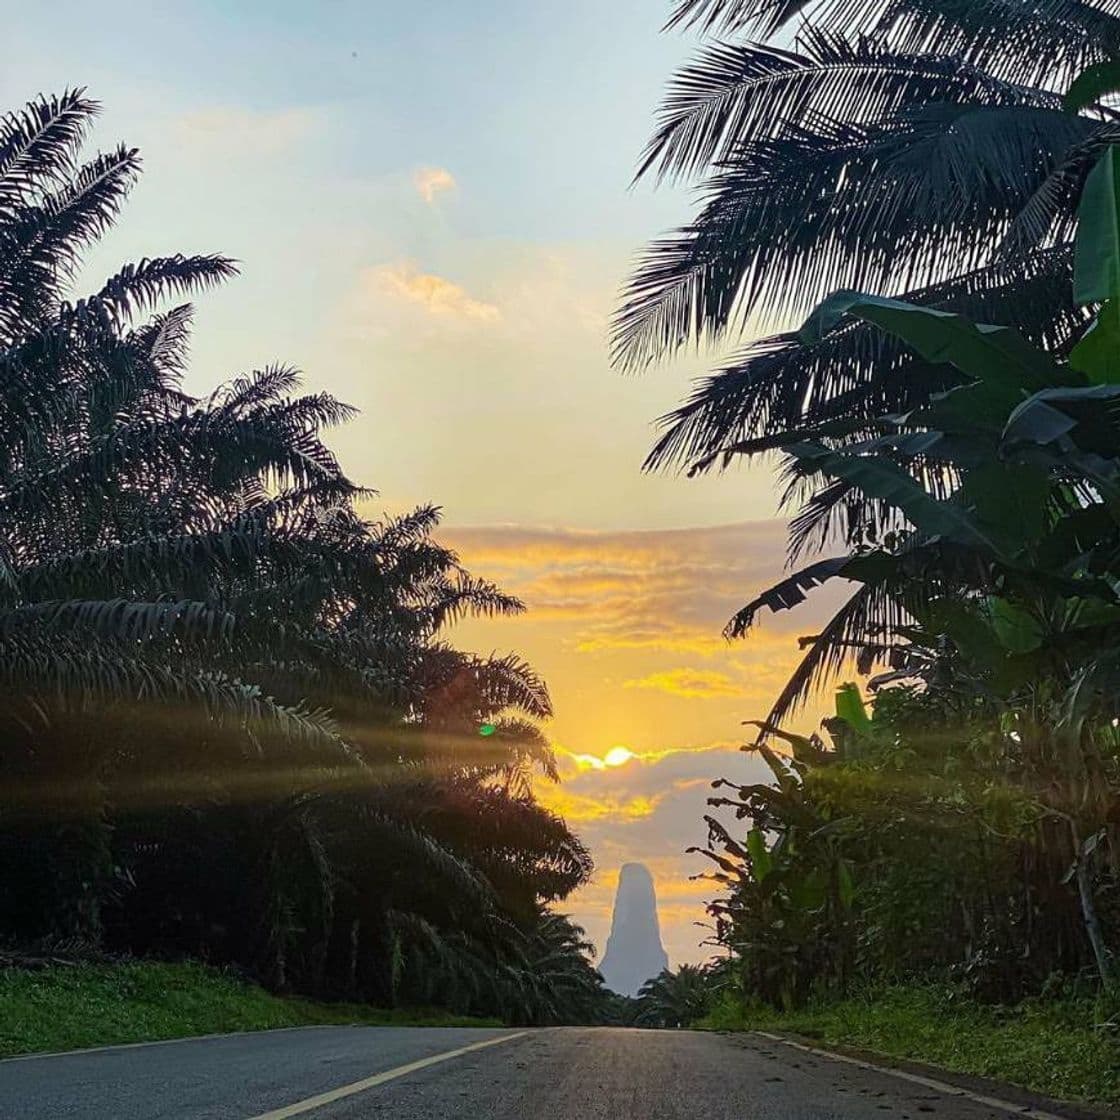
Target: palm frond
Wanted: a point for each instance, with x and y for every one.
(38, 145)
(756, 17)
(139, 287)
(89, 669)
(118, 619)
(826, 206)
(41, 243)
(732, 95)
(1047, 213)
(464, 594)
(780, 383)
(162, 343)
(1039, 43)
(788, 593)
(870, 609)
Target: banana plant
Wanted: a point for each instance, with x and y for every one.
(1001, 501)
(789, 886)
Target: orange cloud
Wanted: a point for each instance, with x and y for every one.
(626, 627)
(650, 634)
(431, 181)
(658, 591)
(433, 293)
(581, 808)
(697, 684)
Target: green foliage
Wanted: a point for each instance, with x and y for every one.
(1090, 86)
(1096, 267)
(985, 353)
(1048, 1045)
(1096, 274)
(938, 135)
(936, 187)
(761, 861)
(850, 708)
(73, 1006)
(682, 997)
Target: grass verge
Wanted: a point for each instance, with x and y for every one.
(68, 1007)
(1047, 1046)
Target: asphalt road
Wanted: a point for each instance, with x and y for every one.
(556, 1074)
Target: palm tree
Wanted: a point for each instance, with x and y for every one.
(233, 726)
(109, 479)
(675, 999)
(911, 147)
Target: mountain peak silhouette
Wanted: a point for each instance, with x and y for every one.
(634, 950)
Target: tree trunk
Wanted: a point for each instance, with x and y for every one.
(1083, 868)
(1092, 922)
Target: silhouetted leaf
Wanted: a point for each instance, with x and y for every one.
(1091, 85)
(1096, 268)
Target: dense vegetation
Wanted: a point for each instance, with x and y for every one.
(233, 729)
(71, 1006)
(1048, 1044)
(682, 996)
(947, 167)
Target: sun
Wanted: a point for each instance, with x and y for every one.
(618, 756)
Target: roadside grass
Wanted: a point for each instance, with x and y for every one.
(1048, 1046)
(67, 1007)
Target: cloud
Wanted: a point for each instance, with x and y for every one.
(235, 130)
(575, 761)
(697, 684)
(434, 294)
(578, 809)
(651, 810)
(666, 591)
(626, 627)
(432, 181)
(649, 790)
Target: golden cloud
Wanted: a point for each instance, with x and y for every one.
(669, 591)
(627, 628)
(431, 181)
(434, 294)
(581, 808)
(695, 684)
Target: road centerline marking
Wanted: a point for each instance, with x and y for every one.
(344, 1091)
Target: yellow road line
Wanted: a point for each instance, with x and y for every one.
(344, 1091)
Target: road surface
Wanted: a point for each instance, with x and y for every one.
(348, 1073)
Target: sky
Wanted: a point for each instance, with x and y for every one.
(432, 211)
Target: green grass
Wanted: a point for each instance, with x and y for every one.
(69, 1007)
(1048, 1046)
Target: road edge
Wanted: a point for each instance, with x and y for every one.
(1013, 1099)
(110, 1046)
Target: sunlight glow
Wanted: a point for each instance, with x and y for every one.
(619, 756)
(616, 756)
